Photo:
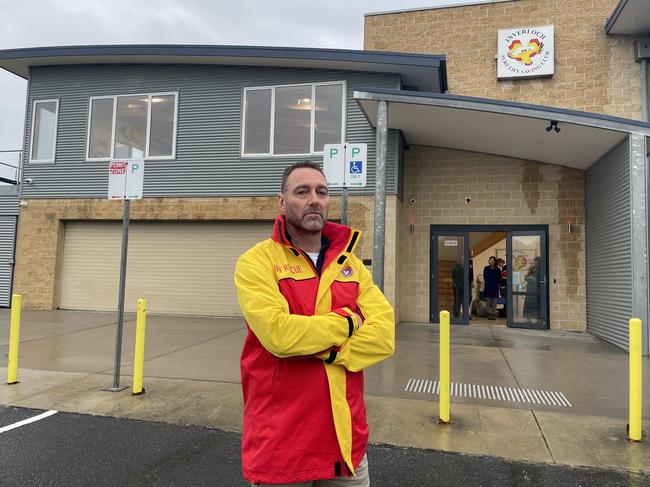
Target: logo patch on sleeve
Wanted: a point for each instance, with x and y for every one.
(347, 271)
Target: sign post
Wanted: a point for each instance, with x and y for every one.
(345, 166)
(125, 182)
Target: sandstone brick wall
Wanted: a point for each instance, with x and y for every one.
(593, 71)
(39, 243)
(503, 191)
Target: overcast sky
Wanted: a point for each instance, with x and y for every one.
(36, 23)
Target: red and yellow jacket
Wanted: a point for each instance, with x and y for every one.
(302, 361)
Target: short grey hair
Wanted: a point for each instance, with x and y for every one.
(298, 165)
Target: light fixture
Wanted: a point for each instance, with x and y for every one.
(553, 126)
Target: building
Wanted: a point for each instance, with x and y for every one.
(200, 117)
(547, 170)
(583, 189)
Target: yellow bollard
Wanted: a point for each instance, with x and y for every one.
(14, 339)
(138, 363)
(445, 364)
(636, 394)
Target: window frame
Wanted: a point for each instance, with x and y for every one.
(146, 157)
(31, 137)
(312, 129)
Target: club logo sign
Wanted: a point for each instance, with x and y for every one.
(526, 52)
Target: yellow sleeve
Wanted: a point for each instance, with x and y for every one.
(375, 340)
(267, 314)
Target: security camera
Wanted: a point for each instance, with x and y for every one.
(412, 201)
(29, 180)
(468, 199)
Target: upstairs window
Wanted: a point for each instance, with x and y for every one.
(132, 127)
(292, 119)
(44, 121)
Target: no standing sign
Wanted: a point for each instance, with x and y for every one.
(125, 180)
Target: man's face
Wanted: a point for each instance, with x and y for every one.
(305, 201)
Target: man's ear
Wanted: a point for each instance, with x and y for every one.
(281, 207)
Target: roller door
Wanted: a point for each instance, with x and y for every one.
(180, 268)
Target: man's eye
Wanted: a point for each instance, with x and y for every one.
(323, 192)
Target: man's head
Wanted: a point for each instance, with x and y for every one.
(304, 199)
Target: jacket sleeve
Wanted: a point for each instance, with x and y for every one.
(267, 314)
(375, 340)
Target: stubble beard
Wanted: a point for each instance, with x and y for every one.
(308, 223)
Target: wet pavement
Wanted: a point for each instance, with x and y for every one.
(508, 404)
(74, 450)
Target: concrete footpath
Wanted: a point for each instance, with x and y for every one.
(536, 396)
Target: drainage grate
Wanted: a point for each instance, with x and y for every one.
(494, 393)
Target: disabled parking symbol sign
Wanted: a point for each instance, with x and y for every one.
(345, 165)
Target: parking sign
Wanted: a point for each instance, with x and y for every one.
(125, 180)
(345, 165)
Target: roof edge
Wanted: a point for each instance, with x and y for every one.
(219, 50)
(609, 25)
(546, 110)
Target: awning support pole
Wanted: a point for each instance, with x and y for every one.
(638, 189)
(378, 249)
(644, 90)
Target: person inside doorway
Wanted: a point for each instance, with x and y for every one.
(532, 299)
(491, 281)
(503, 287)
(458, 284)
(471, 280)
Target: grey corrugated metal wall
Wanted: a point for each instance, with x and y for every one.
(208, 161)
(8, 200)
(7, 243)
(609, 247)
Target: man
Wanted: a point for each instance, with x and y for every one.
(458, 284)
(315, 321)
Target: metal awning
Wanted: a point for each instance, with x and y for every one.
(511, 129)
(630, 17)
(424, 71)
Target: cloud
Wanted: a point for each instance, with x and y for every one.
(332, 24)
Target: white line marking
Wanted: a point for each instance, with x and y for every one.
(531, 400)
(519, 395)
(507, 393)
(559, 399)
(532, 394)
(481, 391)
(566, 400)
(549, 398)
(27, 421)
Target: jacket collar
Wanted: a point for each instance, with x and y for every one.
(341, 238)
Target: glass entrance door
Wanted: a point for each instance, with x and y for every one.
(527, 278)
(450, 286)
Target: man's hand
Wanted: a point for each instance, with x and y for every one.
(359, 318)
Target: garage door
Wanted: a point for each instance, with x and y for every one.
(180, 268)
